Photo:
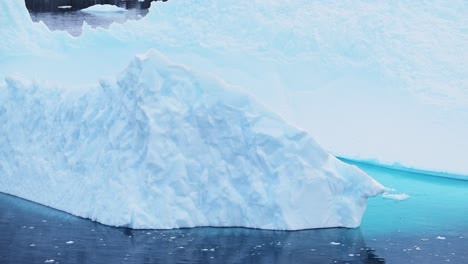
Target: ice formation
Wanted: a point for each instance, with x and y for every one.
(369, 80)
(166, 147)
(103, 9)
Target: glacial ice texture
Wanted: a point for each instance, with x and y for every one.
(381, 81)
(164, 147)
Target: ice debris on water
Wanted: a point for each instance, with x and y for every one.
(393, 194)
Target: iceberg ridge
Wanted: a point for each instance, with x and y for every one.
(163, 146)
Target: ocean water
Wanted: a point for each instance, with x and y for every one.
(429, 227)
(72, 21)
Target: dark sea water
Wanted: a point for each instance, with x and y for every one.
(72, 21)
(429, 227)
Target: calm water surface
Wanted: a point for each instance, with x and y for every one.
(72, 21)
(430, 227)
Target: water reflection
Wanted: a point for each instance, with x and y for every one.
(72, 21)
(33, 234)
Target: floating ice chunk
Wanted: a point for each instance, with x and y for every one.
(441, 237)
(69, 242)
(397, 197)
(393, 194)
(49, 261)
(335, 243)
(105, 8)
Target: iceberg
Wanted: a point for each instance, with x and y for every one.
(164, 146)
(105, 8)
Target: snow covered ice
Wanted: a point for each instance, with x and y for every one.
(164, 145)
(103, 9)
(387, 85)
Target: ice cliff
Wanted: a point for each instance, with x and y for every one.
(163, 147)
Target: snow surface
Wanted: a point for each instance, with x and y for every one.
(163, 146)
(104, 8)
(380, 81)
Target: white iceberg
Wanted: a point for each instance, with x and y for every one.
(104, 8)
(164, 147)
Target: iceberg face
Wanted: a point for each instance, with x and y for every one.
(164, 146)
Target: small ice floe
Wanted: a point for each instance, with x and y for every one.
(106, 8)
(441, 237)
(69, 242)
(417, 248)
(424, 239)
(392, 194)
(351, 255)
(44, 221)
(335, 243)
(204, 249)
(49, 261)
(172, 237)
(32, 245)
(212, 249)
